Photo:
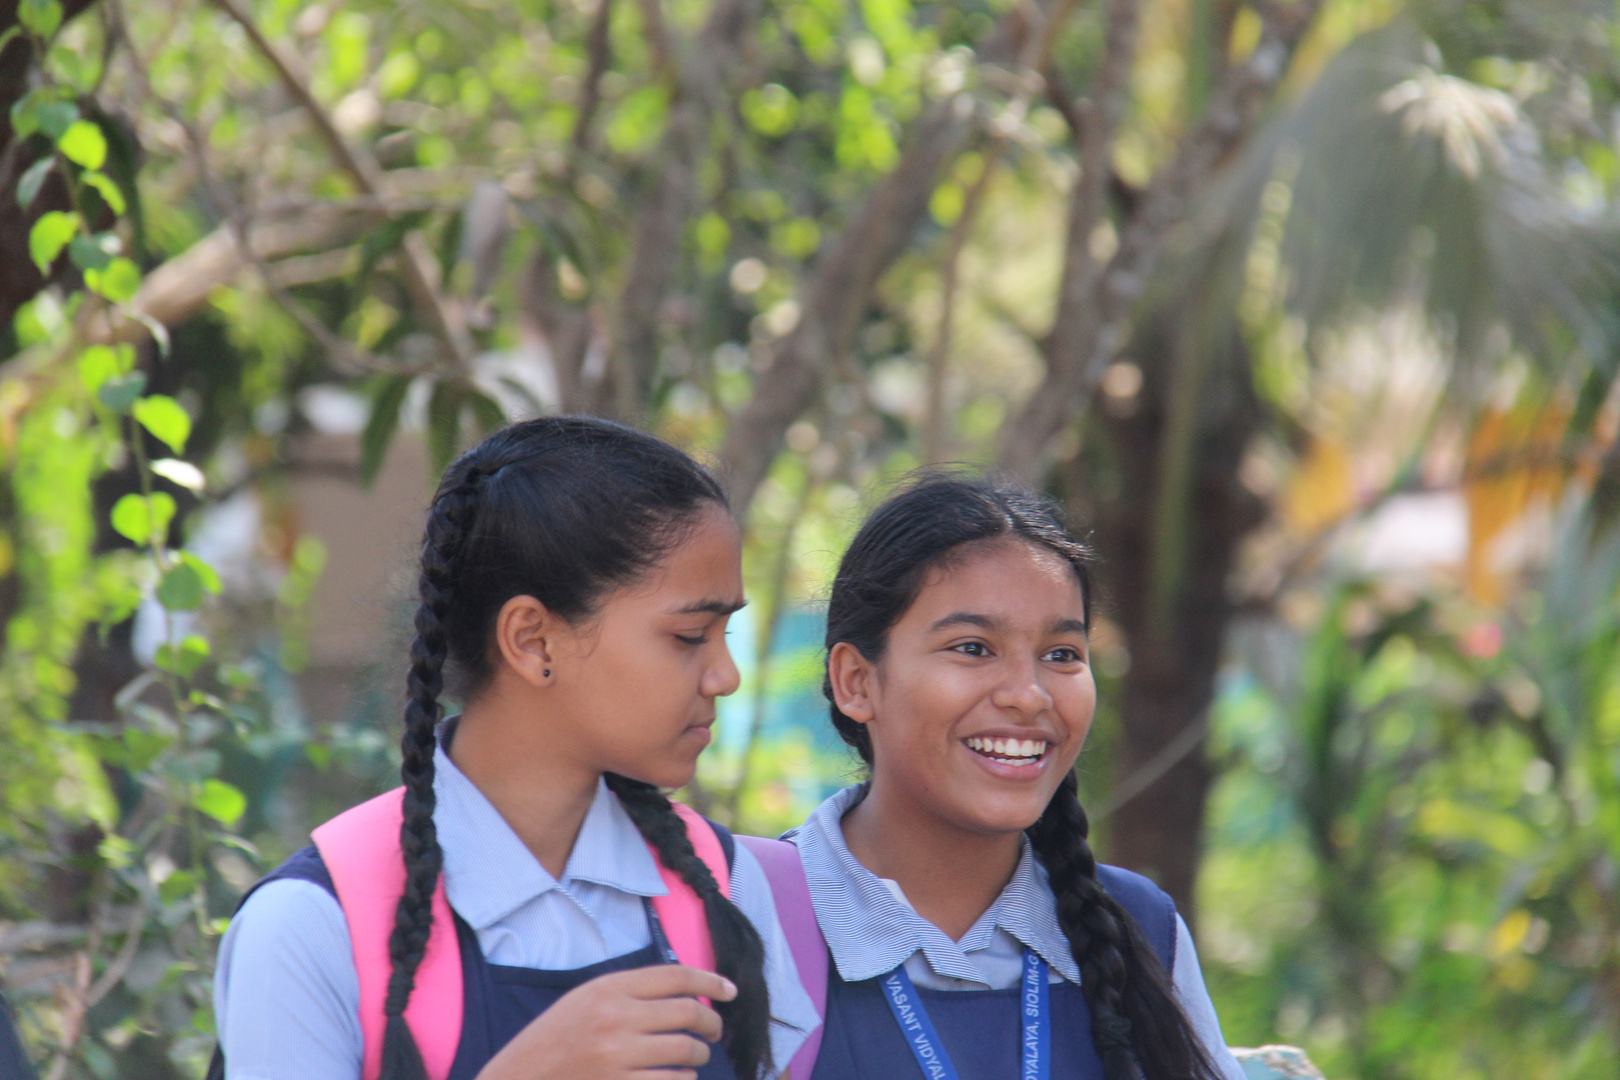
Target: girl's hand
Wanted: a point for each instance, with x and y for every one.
(646, 1024)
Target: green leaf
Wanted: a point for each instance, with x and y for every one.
(49, 236)
(120, 392)
(99, 363)
(165, 419)
(55, 117)
(444, 422)
(5, 38)
(380, 426)
(221, 801)
(144, 519)
(41, 17)
(181, 588)
(109, 191)
(177, 886)
(83, 144)
(141, 748)
(209, 576)
(118, 282)
(34, 179)
(92, 252)
(40, 110)
(183, 659)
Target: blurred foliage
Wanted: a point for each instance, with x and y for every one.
(430, 217)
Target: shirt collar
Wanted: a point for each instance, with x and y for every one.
(870, 931)
(489, 872)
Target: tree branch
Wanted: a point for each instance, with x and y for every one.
(660, 230)
(848, 268)
(599, 57)
(1095, 304)
(417, 266)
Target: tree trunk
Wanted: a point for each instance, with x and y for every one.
(1175, 643)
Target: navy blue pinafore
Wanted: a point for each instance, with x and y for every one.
(499, 1001)
(980, 1029)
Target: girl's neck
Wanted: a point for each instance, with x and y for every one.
(541, 793)
(950, 875)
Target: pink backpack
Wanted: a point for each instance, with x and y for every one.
(360, 848)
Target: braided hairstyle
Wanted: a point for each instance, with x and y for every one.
(1138, 1028)
(564, 509)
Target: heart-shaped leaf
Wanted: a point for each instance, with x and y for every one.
(83, 144)
(165, 419)
(49, 236)
(119, 393)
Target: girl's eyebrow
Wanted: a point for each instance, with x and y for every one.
(1069, 626)
(967, 618)
(711, 607)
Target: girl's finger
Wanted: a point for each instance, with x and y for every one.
(667, 1051)
(682, 1014)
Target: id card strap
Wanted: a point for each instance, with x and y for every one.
(1037, 1035)
(916, 1027)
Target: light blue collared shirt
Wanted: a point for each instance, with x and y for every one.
(871, 928)
(286, 995)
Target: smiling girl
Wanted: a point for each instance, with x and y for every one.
(516, 910)
(972, 932)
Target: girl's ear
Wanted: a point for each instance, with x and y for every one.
(525, 636)
(853, 678)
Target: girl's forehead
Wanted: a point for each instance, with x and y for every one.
(1001, 574)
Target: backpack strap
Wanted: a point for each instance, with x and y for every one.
(360, 848)
(681, 910)
(790, 890)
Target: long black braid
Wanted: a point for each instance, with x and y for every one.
(1138, 1027)
(1134, 1012)
(738, 951)
(563, 509)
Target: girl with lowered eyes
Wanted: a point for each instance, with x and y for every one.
(530, 905)
(972, 933)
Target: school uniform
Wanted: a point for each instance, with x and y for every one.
(974, 990)
(287, 994)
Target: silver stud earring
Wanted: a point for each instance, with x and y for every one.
(547, 673)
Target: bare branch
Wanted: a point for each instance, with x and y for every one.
(417, 266)
(836, 295)
(599, 57)
(181, 286)
(849, 267)
(1095, 308)
(697, 89)
(933, 428)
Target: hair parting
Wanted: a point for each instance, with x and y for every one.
(564, 509)
(1138, 1027)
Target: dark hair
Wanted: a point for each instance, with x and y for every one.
(563, 509)
(1138, 1027)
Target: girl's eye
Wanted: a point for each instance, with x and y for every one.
(699, 640)
(972, 648)
(1065, 654)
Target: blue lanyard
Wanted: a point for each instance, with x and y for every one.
(1034, 1036)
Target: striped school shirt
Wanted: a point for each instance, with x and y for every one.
(871, 928)
(286, 995)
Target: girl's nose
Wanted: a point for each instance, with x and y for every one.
(722, 678)
(1022, 691)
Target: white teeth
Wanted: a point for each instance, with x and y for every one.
(1008, 749)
